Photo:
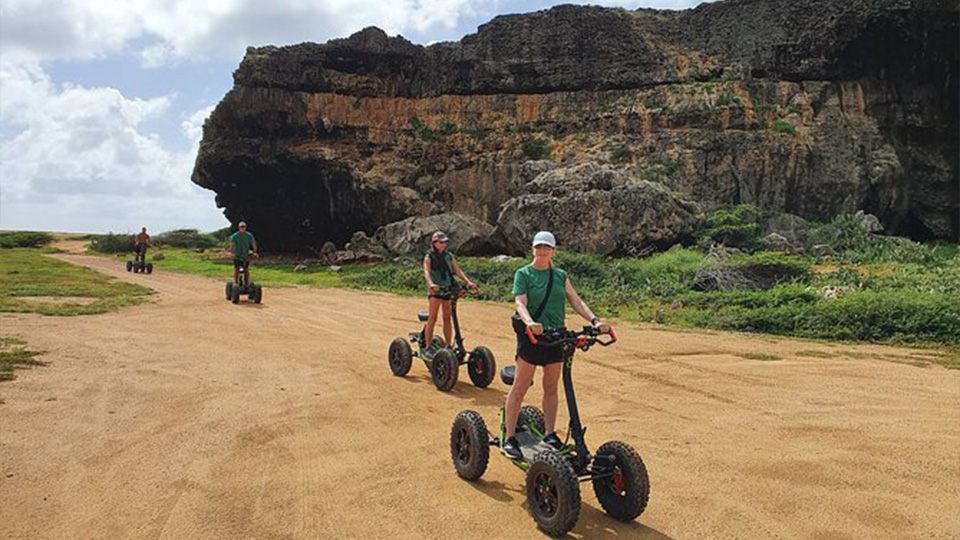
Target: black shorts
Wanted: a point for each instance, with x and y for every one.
(537, 355)
(241, 263)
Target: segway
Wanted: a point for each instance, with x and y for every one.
(618, 474)
(444, 364)
(253, 290)
(139, 263)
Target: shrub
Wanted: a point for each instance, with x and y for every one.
(736, 226)
(222, 235)
(186, 238)
(536, 148)
(112, 243)
(783, 126)
(24, 239)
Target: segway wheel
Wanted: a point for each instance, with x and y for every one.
(235, 297)
(482, 367)
(553, 493)
(469, 445)
(625, 494)
(149, 268)
(400, 357)
(444, 369)
(229, 290)
(259, 296)
(532, 417)
(129, 266)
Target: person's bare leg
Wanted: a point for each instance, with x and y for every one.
(447, 325)
(236, 274)
(521, 382)
(434, 307)
(551, 400)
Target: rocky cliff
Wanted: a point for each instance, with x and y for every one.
(812, 107)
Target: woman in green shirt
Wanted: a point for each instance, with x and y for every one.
(439, 266)
(530, 285)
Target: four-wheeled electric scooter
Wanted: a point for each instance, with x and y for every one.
(553, 477)
(253, 291)
(444, 364)
(139, 263)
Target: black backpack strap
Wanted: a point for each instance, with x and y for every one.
(543, 303)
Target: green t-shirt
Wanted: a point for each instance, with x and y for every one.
(242, 243)
(532, 282)
(439, 277)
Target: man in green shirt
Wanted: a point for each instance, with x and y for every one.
(241, 244)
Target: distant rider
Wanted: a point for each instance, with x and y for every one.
(241, 244)
(140, 243)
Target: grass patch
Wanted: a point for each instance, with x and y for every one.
(24, 239)
(14, 354)
(26, 272)
(814, 354)
(758, 356)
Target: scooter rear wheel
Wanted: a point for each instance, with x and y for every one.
(400, 357)
(444, 369)
(469, 445)
(229, 290)
(482, 367)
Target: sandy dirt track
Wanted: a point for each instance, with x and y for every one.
(190, 417)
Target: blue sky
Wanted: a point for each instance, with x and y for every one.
(102, 103)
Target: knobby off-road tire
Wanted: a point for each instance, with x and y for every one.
(258, 297)
(482, 367)
(469, 445)
(149, 268)
(235, 295)
(444, 369)
(553, 493)
(399, 357)
(229, 290)
(129, 266)
(532, 415)
(625, 495)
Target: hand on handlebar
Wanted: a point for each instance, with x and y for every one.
(536, 328)
(433, 288)
(256, 255)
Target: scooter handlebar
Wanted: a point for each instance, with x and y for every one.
(583, 339)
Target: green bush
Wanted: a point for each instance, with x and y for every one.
(186, 238)
(112, 243)
(736, 226)
(783, 126)
(536, 148)
(771, 267)
(222, 235)
(26, 239)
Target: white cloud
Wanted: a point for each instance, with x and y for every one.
(83, 153)
(71, 29)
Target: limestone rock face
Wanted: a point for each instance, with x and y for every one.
(809, 107)
(595, 209)
(468, 235)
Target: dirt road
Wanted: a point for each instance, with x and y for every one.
(191, 417)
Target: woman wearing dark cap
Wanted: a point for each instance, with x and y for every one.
(439, 267)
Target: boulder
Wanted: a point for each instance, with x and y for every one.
(468, 235)
(777, 242)
(790, 227)
(868, 222)
(596, 209)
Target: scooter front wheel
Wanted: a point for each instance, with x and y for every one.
(469, 445)
(624, 493)
(482, 367)
(399, 357)
(553, 493)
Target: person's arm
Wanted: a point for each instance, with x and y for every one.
(256, 251)
(459, 272)
(426, 274)
(231, 245)
(521, 302)
(580, 306)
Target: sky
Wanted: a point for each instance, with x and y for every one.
(102, 103)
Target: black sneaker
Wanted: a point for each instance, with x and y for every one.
(553, 440)
(511, 448)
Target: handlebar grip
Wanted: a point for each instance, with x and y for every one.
(533, 339)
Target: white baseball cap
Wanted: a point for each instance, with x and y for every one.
(544, 238)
